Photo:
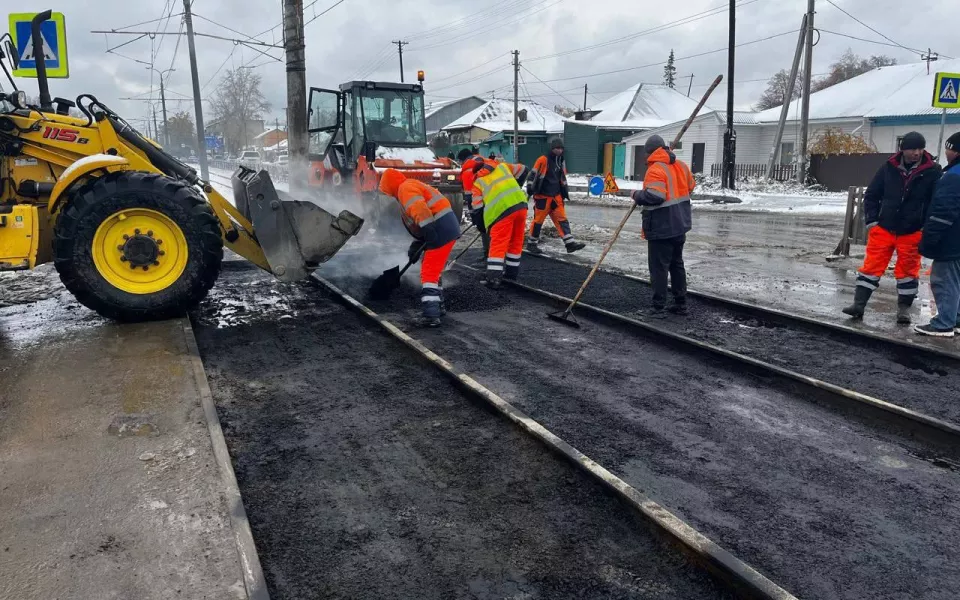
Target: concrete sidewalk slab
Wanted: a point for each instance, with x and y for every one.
(108, 480)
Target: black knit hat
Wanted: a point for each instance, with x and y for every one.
(953, 142)
(654, 143)
(913, 141)
(556, 143)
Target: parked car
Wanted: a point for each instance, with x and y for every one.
(282, 159)
(250, 159)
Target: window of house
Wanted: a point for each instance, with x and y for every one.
(678, 146)
(786, 153)
(899, 141)
(521, 139)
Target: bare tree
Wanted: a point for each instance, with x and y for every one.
(850, 65)
(238, 101)
(776, 92)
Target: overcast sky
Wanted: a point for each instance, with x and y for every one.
(449, 37)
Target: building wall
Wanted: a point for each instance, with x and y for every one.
(580, 143)
(791, 134)
(705, 130)
(885, 136)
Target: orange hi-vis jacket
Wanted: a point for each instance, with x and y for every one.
(469, 177)
(423, 206)
(665, 198)
(540, 169)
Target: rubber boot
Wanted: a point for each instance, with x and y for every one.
(860, 298)
(533, 247)
(494, 280)
(431, 314)
(575, 246)
(903, 312)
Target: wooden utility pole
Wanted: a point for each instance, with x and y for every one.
(929, 57)
(584, 97)
(805, 104)
(400, 44)
(294, 49)
(690, 87)
(730, 136)
(516, 105)
(787, 98)
(197, 102)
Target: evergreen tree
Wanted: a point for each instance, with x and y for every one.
(670, 73)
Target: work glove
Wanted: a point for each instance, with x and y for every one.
(529, 189)
(415, 251)
(476, 217)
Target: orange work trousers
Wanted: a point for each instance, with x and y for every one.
(506, 244)
(881, 244)
(434, 261)
(552, 206)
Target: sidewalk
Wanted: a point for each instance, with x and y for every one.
(108, 482)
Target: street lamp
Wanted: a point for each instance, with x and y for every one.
(163, 103)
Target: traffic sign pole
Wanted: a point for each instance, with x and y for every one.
(943, 125)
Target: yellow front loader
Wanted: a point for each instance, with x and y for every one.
(134, 233)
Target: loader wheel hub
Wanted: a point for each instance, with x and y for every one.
(140, 251)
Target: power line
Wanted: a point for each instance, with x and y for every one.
(860, 39)
(472, 19)
(220, 68)
(196, 33)
(548, 86)
(657, 64)
(899, 45)
(515, 18)
(315, 17)
(481, 76)
(472, 68)
(665, 26)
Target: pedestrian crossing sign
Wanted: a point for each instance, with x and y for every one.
(610, 184)
(53, 34)
(946, 92)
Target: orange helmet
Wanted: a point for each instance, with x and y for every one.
(390, 182)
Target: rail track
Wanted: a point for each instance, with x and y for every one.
(902, 383)
(723, 444)
(400, 482)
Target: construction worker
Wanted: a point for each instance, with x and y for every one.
(894, 206)
(430, 217)
(549, 188)
(667, 217)
(498, 206)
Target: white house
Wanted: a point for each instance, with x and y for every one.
(880, 106)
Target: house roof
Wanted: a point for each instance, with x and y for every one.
(497, 115)
(435, 107)
(643, 106)
(271, 130)
(895, 91)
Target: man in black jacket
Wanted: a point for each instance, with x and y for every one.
(941, 242)
(895, 207)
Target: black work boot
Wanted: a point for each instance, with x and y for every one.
(575, 246)
(679, 308)
(494, 280)
(903, 312)
(860, 297)
(533, 247)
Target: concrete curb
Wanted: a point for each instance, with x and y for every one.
(742, 577)
(253, 580)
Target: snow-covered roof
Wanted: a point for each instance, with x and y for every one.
(281, 145)
(497, 115)
(895, 91)
(273, 130)
(434, 107)
(644, 106)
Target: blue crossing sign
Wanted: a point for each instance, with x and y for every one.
(596, 186)
(946, 91)
(53, 34)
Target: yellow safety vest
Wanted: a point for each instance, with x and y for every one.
(501, 192)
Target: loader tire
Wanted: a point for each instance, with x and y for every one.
(137, 246)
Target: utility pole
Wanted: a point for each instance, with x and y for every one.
(787, 98)
(730, 136)
(400, 44)
(197, 102)
(805, 105)
(516, 105)
(156, 130)
(584, 97)
(294, 48)
(929, 57)
(163, 104)
(690, 87)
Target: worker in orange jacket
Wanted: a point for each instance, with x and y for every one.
(498, 205)
(667, 217)
(429, 217)
(549, 189)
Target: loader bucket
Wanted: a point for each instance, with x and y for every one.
(297, 236)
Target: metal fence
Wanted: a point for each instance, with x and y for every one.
(748, 171)
(277, 171)
(854, 226)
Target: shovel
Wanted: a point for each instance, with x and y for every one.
(390, 279)
(565, 316)
(462, 252)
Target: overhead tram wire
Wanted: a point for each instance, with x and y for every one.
(483, 64)
(472, 20)
(572, 103)
(878, 42)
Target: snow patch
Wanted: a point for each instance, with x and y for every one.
(407, 155)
